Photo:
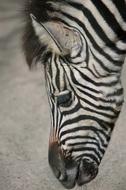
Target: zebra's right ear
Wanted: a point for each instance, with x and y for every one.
(59, 38)
(32, 48)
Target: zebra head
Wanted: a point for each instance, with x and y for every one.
(85, 100)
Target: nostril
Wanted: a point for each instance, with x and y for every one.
(65, 169)
(62, 177)
(87, 171)
(57, 173)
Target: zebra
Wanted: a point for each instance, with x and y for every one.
(82, 45)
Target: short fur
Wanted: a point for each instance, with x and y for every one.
(33, 50)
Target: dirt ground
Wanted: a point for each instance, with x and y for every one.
(25, 121)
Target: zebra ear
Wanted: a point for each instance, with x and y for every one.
(57, 36)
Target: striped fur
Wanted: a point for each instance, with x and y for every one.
(82, 44)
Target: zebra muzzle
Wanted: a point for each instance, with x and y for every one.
(87, 171)
(65, 170)
(68, 171)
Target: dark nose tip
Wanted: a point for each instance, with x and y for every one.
(70, 178)
(68, 171)
(87, 171)
(64, 169)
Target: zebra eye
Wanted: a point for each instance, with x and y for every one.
(64, 99)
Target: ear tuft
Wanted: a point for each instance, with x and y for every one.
(45, 36)
(58, 37)
(33, 49)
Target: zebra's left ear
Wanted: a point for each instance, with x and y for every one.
(58, 37)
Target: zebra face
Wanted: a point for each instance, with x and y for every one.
(83, 118)
(84, 104)
(84, 91)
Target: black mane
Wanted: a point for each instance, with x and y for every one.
(34, 50)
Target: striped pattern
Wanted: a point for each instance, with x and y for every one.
(83, 84)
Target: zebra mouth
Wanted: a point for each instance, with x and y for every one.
(69, 172)
(87, 172)
(80, 175)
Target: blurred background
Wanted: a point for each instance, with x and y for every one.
(25, 121)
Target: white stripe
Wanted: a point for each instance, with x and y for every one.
(72, 141)
(61, 74)
(112, 8)
(79, 153)
(81, 133)
(122, 45)
(91, 30)
(54, 73)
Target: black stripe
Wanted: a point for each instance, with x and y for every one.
(85, 128)
(86, 78)
(90, 156)
(97, 98)
(57, 79)
(104, 65)
(93, 105)
(94, 44)
(85, 137)
(101, 113)
(96, 26)
(79, 137)
(88, 149)
(121, 6)
(72, 110)
(75, 144)
(87, 87)
(101, 123)
(99, 107)
(109, 18)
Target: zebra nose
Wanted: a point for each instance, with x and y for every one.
(71, 171)
(64, 169)
(87, 171)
